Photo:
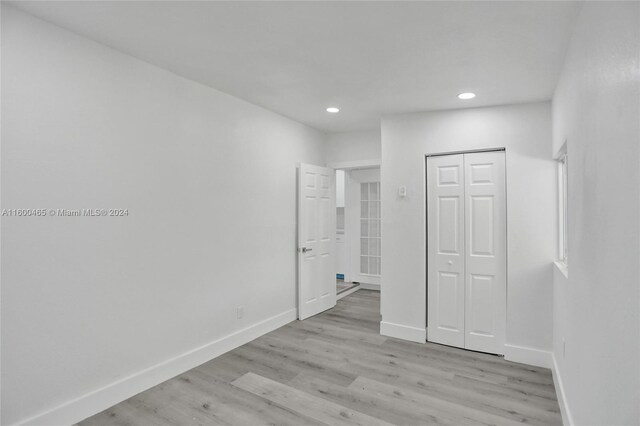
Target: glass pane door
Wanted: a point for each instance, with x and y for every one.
(370, 228)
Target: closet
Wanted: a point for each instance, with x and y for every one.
(466, 250)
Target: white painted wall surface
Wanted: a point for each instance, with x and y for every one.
(596, 109)
(525, 131)
(341, 249)
(353, 146)
(209, 181)
(339, 188)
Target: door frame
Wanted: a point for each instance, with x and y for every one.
(426, 228)
(359, 164)
(368, 282)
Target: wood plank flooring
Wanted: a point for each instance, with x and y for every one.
(336, 369)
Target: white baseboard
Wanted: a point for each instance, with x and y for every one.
(347, 292)
(526, 355)
(98, 400)
(567, 418)
(404, 332)
(367, 286)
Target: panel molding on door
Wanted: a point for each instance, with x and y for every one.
(466, 250)
(316, 234)
(485, 258)
(445, 255)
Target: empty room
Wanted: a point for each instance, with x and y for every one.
(319, 213)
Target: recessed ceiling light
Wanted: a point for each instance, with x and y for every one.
(467, 95)
(333, 110)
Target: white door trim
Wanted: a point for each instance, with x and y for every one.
(357, 164)
(472, 151)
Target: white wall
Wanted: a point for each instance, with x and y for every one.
(209, 181)
(525, 132)
(353, 146)
(339, 188)
(596, 110)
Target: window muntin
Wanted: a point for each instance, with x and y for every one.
(370, 238)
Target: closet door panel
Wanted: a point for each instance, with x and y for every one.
(485, 257)
(446, 248)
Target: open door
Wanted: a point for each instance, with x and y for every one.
(316, 234)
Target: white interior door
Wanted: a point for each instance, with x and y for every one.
(466, 226)
(445, 254)
(485, 242)
(316, 244)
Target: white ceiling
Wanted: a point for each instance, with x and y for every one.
(368, 58)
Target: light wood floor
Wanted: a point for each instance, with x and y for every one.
(336, 369)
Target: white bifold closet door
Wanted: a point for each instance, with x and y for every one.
(466, 238)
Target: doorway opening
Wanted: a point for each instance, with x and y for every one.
(358, 229)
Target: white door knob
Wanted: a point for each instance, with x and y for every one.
(450, 262)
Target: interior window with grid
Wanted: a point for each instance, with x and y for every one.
(370, 228)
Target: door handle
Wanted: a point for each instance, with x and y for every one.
(304, 249)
